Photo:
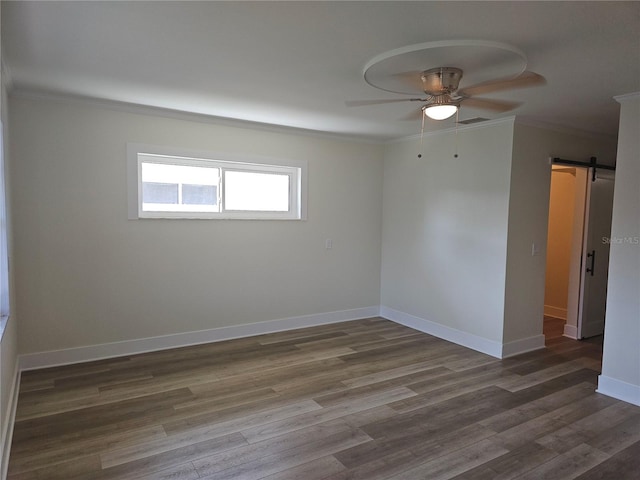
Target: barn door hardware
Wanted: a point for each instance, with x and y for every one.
(592, 256)
(592, 163)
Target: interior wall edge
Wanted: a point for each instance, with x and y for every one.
(523, 345)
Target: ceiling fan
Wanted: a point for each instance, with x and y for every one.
(444, 97)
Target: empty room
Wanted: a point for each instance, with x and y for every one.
(319, 240)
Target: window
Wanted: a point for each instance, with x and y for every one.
(252, 191)
(178, 186)
(171, 184)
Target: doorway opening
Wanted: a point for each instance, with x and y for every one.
(564, 248)
(580, 206)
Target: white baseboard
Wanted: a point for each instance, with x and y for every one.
(555, 312)
(570, 331)
(88, 353)
(7, 433)
(627, 392)
(459, 337)
(523, 345)
(469, 340)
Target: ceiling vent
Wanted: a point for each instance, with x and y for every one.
(472, 120)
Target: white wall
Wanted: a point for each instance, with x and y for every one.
(528, 221)
(444, 236)
(88, 276)
(458, 233)
(559, 242)
(621, 357)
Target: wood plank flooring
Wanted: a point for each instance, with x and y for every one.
(367, 399)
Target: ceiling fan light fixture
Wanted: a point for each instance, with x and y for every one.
(440, 112)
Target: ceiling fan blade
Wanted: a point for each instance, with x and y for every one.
(411, 80)
(413, 116)
(524, 80)
(490, 104)
(363, 103)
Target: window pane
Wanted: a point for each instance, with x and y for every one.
(159, 192)
(249, 191)
(179, 188)
(199, 194)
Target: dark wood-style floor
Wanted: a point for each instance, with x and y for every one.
(367, 399)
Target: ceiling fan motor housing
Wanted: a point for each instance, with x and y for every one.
(441, 80)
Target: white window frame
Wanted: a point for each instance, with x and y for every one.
(296, 170)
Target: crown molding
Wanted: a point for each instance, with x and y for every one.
(554, 127)
(283, 129)
(516, 120)
(453, 129)
(150, 110)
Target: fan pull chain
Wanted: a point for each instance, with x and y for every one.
(421, 135)
(455, 141)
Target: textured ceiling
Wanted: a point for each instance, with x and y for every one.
(296, 63)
